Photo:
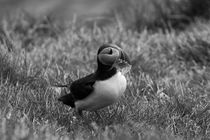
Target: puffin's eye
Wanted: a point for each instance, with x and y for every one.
(110, 52)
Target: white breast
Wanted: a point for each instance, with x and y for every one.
(105, 93)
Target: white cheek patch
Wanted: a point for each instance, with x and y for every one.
(105, 93)
(109, 59)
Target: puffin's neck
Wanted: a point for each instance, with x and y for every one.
(104, 72)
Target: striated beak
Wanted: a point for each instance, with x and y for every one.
(123, 63)
(124, 57)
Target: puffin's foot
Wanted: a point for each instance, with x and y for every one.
(86, 121)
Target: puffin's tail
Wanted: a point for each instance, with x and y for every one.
(67, 99)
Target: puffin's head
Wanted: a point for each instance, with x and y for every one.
(110, 55)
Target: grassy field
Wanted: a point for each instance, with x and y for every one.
(167, 96)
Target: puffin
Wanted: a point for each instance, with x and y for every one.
(105, 86)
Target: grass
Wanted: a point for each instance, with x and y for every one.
(164, 14)
(167, 95)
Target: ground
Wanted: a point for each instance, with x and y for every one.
(167, 96)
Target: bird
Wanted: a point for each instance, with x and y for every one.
(103, 87)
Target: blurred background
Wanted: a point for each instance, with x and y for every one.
(61, 10)
(135, 14)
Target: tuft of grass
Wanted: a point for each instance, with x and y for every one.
(16, 70)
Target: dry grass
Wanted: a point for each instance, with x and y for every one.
(167, 95)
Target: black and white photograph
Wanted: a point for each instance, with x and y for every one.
(104, 69)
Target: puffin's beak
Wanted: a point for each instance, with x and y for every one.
(124, 57)
(123, 63)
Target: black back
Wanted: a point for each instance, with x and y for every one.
(81, 88)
